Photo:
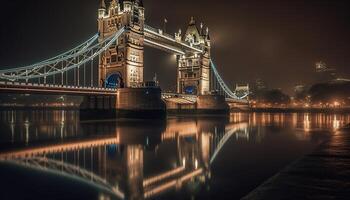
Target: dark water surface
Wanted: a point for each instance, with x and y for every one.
(54, 155)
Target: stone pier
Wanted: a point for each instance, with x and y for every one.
(128, 102)
(205, 104)
(212, 104)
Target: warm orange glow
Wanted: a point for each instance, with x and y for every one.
(336, 103)
(58, 148)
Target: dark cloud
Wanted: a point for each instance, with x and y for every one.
(278, 41)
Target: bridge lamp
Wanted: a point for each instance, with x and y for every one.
(184, 162)
(196, 164)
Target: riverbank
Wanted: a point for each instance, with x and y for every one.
(323, 174)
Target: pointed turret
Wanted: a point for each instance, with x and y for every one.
(201, 30)
(114, 8)
(102, 4)
(192, 34)
(192, 22)
(127, 4)
(113, 5)
(207, 34)
(102, 9)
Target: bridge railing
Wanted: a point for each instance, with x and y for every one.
(53, 86)
(159, 31)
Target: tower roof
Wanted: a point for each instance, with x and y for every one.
(192, 30)
(113, 3)
(140, 2)
(102, 4)
(192, 22)
(208, 34)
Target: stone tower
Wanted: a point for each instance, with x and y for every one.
(194, 68)
(122, 64)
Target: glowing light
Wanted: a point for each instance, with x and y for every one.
(336, 123)
(336, 104)
(307, 123)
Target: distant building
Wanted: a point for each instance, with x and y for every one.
(260, 85)
(324, 73)
(300, 92)
(242, 90)
(299, 89)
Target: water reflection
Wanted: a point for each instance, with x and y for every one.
(140, 159)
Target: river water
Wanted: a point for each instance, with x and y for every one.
(54, 155)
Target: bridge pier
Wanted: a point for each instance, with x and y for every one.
(212, 104)
(140, 103)
(128, 103)
(97, 107)
(205, 104)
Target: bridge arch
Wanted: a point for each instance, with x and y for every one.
(114, 80)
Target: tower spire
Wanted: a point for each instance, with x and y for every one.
(208, 34)
(102, 9)
(192, 22)
(102, 4)
(113, 4)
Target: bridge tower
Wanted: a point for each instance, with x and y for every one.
(194, 68)
(122, 64)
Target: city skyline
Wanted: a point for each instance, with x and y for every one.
(258, 41)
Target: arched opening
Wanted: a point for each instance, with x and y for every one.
(191, 89)
(114, 80)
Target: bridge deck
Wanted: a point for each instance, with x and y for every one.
(16, 87)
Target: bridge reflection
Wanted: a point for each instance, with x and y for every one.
(137, 159)
(118, 156)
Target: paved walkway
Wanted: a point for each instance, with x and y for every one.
(324, 174)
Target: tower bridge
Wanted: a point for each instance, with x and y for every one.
(111, 63)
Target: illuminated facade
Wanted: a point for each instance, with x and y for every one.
(194, 68)
(122, 64)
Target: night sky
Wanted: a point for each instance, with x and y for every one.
(275, 40)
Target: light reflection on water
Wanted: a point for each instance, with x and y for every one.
(177, 158)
